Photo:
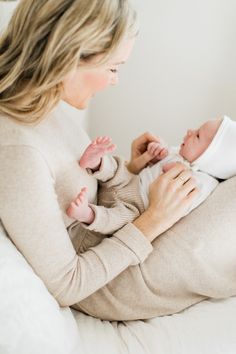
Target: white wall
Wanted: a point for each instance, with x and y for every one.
(182, 71)
(6, 9)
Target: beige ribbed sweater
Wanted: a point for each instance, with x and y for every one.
(123, 276)
(39, 176)
(119, 198)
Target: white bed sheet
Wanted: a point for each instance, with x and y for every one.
(206, 328)
(31, 322)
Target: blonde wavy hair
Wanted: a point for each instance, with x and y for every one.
(45, 40)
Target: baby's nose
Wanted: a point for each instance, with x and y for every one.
(189, 132)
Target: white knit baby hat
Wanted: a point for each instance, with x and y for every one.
(219, 159)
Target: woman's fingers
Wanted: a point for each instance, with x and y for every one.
(192, 195)
(189, 186)
(137, 164)
(183, 177)
(183, 180)
(176, 170)
(145, 138)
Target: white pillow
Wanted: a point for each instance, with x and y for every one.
(31, 321)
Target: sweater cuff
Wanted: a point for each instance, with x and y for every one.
(97, 224)
(106, 170)
(135, 240)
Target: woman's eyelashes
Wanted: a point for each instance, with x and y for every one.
(114, 71)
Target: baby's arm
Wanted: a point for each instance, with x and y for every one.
(91, 159)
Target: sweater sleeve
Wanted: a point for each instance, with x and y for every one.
(31, 215)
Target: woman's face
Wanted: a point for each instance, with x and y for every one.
(83, 83)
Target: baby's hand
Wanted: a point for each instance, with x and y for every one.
(158, 151)
(91, 158)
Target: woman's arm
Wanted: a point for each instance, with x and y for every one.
(31, 215)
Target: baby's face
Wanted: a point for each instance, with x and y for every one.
(196, 141)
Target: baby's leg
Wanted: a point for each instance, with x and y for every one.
(79, 208)
(91, 158)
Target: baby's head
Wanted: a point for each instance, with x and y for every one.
(197, 141)
(210, 148)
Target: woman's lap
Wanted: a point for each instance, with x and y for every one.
(193, 260)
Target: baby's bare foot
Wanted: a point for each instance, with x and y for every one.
(91, 158)
(79, 208)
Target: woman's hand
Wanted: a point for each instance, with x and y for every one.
(170, 196)
(145, 149)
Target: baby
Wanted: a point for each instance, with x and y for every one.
(123, 196)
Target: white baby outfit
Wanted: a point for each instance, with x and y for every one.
(122, 196)
(217, 161)
(205, 183)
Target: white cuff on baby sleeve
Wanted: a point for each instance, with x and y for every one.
(107, 169)
(97, 224)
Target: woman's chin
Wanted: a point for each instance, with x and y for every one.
(80, 105)
(76, 104)
(83, 105)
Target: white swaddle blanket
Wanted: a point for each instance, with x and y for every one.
(205, 183)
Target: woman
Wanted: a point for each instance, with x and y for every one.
(70, 50)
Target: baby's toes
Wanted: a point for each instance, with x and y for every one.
(84, 190)
(79, 199)
(71, 209)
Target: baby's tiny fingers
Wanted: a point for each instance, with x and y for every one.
(99, 139)
(111, 147)
(164, 152)
(106, 140)
(153, 148)
(157, 151)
